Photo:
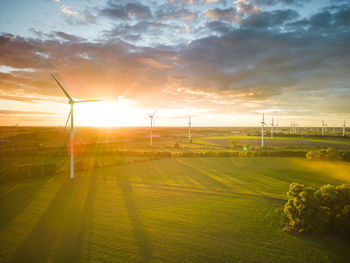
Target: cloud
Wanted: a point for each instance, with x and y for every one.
(246, 7)
(228, 15)
(218, 26)
(272, 58)
(67, 37)
(171, 12)
(68, 11)
(284, 2)
(135, 32)
(195, 2)
(334, 18)
(127, 10)
(273, 18)
(75, 17)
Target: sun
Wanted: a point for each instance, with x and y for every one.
(105, 114)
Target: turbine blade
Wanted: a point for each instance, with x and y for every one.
(154, 113)
(67, 119)
(65, 92)
(78, 101)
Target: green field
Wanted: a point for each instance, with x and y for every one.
(167, 210)
(290, 142)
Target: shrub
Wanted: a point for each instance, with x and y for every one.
(233, 143)
(80, 165)
(22, 171)
(331, 154)
(324, 210)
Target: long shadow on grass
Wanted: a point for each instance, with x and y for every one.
(14, 202)
(337, 247)
(204, 178)
(141, 235)
(40, 241)
(80, 223)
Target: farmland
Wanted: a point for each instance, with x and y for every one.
(308, 142)
(143, 209)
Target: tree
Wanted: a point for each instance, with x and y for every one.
(322, 210)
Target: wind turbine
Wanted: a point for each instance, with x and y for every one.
(262, 131)
(272, 125)
(344, 128)
(15, 130)
(71, 116)
(152, 121)
(189, 129)
(322, 127)
(277, 127)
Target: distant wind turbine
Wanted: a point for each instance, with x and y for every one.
(322, 127)
(272, 125)
(152, 121)
(15, 130)
(71, 116)
(189, 129)
(277, 128)
(344, 128)
(262, 130)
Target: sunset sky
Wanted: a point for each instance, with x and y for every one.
(223, 62)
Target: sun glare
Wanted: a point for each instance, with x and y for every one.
(105, 114)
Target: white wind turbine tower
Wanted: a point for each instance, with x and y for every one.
(322, 127)
(262, 131)
(15, 130)
(71, 116)
(152, 121)
(189, 129)
(272, 125)
(344, 128)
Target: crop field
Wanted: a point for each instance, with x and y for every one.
(165, 210)
(309, 142)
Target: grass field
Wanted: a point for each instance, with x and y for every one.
(167, 210)
(305, 142)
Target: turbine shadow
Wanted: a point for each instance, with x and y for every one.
(39, 242)
(80, 223)
(13, 203)
(141, 235)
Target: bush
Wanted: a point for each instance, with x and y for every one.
(324, 210)
(331, 154)
(22, 171)
(80, 165)
(233, 143)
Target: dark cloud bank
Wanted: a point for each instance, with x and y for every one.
(272, 58)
